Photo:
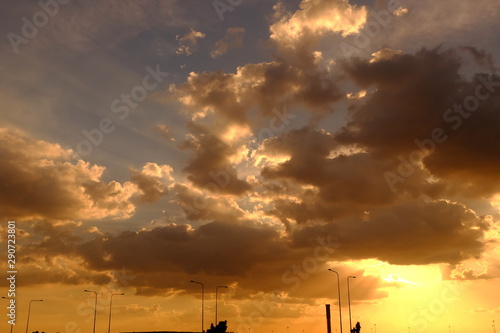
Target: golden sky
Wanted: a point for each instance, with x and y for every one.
(255, 145)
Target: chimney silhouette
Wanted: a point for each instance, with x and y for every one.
(328, 320)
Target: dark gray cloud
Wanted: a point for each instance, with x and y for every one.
(424, 104)
(210, 167)
(415, 233)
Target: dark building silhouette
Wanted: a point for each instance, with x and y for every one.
(159, 332)
(220, 328)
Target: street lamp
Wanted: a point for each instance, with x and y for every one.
(11, 325)
(340, 307)
(95, 306)
(29, 310)
(111, 301)
(202, 303)
(216, 302)
(349, 300)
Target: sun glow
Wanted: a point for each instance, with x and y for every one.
(411, 275)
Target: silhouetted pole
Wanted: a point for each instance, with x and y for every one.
(11, 325)
(328, 320)
(95, 306)
(349, 301)
(110, 302)
(216, 302)
(340, 307)
(375, 328)
(29, 310)
(202, 303)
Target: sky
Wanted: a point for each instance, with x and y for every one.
(255, 145)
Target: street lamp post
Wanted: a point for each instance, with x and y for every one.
(29, 310)
(110, 302)
(340, 307)
(349, 301)
(11, 325)
(216, 303)
(95, 306)
(202, 303)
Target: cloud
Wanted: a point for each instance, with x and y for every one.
(141, 311)
(410, 95)
(271, 85)
(210, 168)
(40, 172)
(413, 233)
(315, 19)
(232, 39)
(336, 180)
(152, 181)
(413, 96)
(46, 253)
(179, 248)
(205, 206)
(188, 43)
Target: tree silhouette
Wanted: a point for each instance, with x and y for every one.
(220, 328)
(357, 328)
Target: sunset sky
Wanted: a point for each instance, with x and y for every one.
(251, 144)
